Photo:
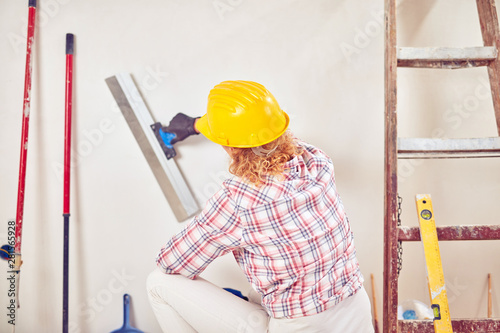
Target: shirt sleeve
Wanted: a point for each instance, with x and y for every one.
(213, 233)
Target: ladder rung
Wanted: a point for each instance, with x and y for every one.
(448, 148)
(449, 233)
(459, 325)
(445, 57)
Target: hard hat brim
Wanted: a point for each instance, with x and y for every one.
(202, 125)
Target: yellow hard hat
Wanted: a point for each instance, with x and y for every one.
(242, 114)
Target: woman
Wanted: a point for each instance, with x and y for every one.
(280, 216)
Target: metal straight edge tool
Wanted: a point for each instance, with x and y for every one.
(139, 119)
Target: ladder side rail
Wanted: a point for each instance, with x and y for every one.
(390, 321)
(488, 20)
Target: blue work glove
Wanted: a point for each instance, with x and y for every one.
(236, 293)
(182, 126)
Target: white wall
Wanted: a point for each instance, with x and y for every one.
(323, 61)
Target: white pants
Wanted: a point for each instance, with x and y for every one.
(184, 305)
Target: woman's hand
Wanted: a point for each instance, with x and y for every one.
(182, 126)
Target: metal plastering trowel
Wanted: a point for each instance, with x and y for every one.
(155, 145)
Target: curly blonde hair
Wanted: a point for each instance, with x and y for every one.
(254, 167)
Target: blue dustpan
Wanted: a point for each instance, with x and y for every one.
(126, 328)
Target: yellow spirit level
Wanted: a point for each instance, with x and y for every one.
(435, 276)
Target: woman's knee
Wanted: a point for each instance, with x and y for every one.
(158, 283)
(154, 278)
(164, 286)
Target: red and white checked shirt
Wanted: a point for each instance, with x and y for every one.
(291, 238)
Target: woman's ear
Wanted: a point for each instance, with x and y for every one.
(228, 150)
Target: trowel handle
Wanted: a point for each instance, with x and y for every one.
(126, 304)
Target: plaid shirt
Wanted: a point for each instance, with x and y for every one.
(291, 238)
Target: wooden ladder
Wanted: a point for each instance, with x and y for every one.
(441, 57)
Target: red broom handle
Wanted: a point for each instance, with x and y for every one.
(67, 131)
(67, 167)
(25, 127)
